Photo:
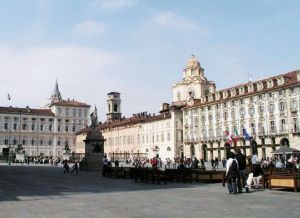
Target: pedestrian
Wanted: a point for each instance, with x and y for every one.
(75, 168)
(66, 166)
(212, 164)
(216, 163)
(241, 158)
(232, 170)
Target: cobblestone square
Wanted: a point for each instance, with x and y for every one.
(43, 191)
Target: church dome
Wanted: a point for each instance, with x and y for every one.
(193, 63)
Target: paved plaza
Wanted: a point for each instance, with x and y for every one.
(44, 191)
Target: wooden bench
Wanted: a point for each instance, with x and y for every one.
(149, 174)
(285, 178)
(121, 172)
(211, 176)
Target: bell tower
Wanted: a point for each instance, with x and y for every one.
(113, 106)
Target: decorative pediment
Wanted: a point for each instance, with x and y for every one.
(260, 86)
(270, 83)
(280, 80)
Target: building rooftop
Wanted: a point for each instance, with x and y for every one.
(27, 110)
(135, 119)
(289, 79)
(70, 103)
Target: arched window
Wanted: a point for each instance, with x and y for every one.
(115, 108)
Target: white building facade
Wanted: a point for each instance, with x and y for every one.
(267, 109)
(43, 132)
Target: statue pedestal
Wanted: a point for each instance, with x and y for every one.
(94, 151)
(66, 156)
(20, 157)
(92, 162)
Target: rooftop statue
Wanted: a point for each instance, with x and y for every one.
(94, 118)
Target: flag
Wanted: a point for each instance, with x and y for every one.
(8, 96)
(229, 139)
(246, 135)
(236, 138)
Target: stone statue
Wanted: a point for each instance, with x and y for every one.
(94, 118)
(67, 148)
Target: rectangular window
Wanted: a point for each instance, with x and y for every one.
(73, 129)
(6, 126)
(261, 109)
(32, 127)
(225, 115)
(281, 106)
(32, 142)
(272, 124)
(50, 127)
(15, 126)
(271, 108)
(58, 128)
(74, 112)
(24, 126)
(66, 128)
(41, 127)
(67, 112)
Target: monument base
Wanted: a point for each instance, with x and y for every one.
(92, 162)
(66, 156)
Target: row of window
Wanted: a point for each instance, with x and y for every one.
(251, 112)
(40, 142)
(157, 125)
(16, 119)
(75, 112)
(42, 128)
(253, 129)
(127, 140)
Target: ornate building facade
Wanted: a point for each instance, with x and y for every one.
(267, 110)
(196, 122)
(43, 132)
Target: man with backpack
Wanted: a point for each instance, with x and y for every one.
(232, 173)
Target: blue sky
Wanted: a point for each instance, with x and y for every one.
(139, 47)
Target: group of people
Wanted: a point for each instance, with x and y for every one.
(67, 168)
(241, 175)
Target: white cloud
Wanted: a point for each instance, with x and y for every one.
(171, 20)
(29, 74)
(89, 28)
(114, 4)
(84, 73)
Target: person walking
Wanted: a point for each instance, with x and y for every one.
(66, 166)
(241, 159)
(75, 168)
(232, 171)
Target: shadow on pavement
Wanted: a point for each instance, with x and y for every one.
(20, 183)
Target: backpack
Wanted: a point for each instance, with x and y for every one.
(233, 170)
(234, 166)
